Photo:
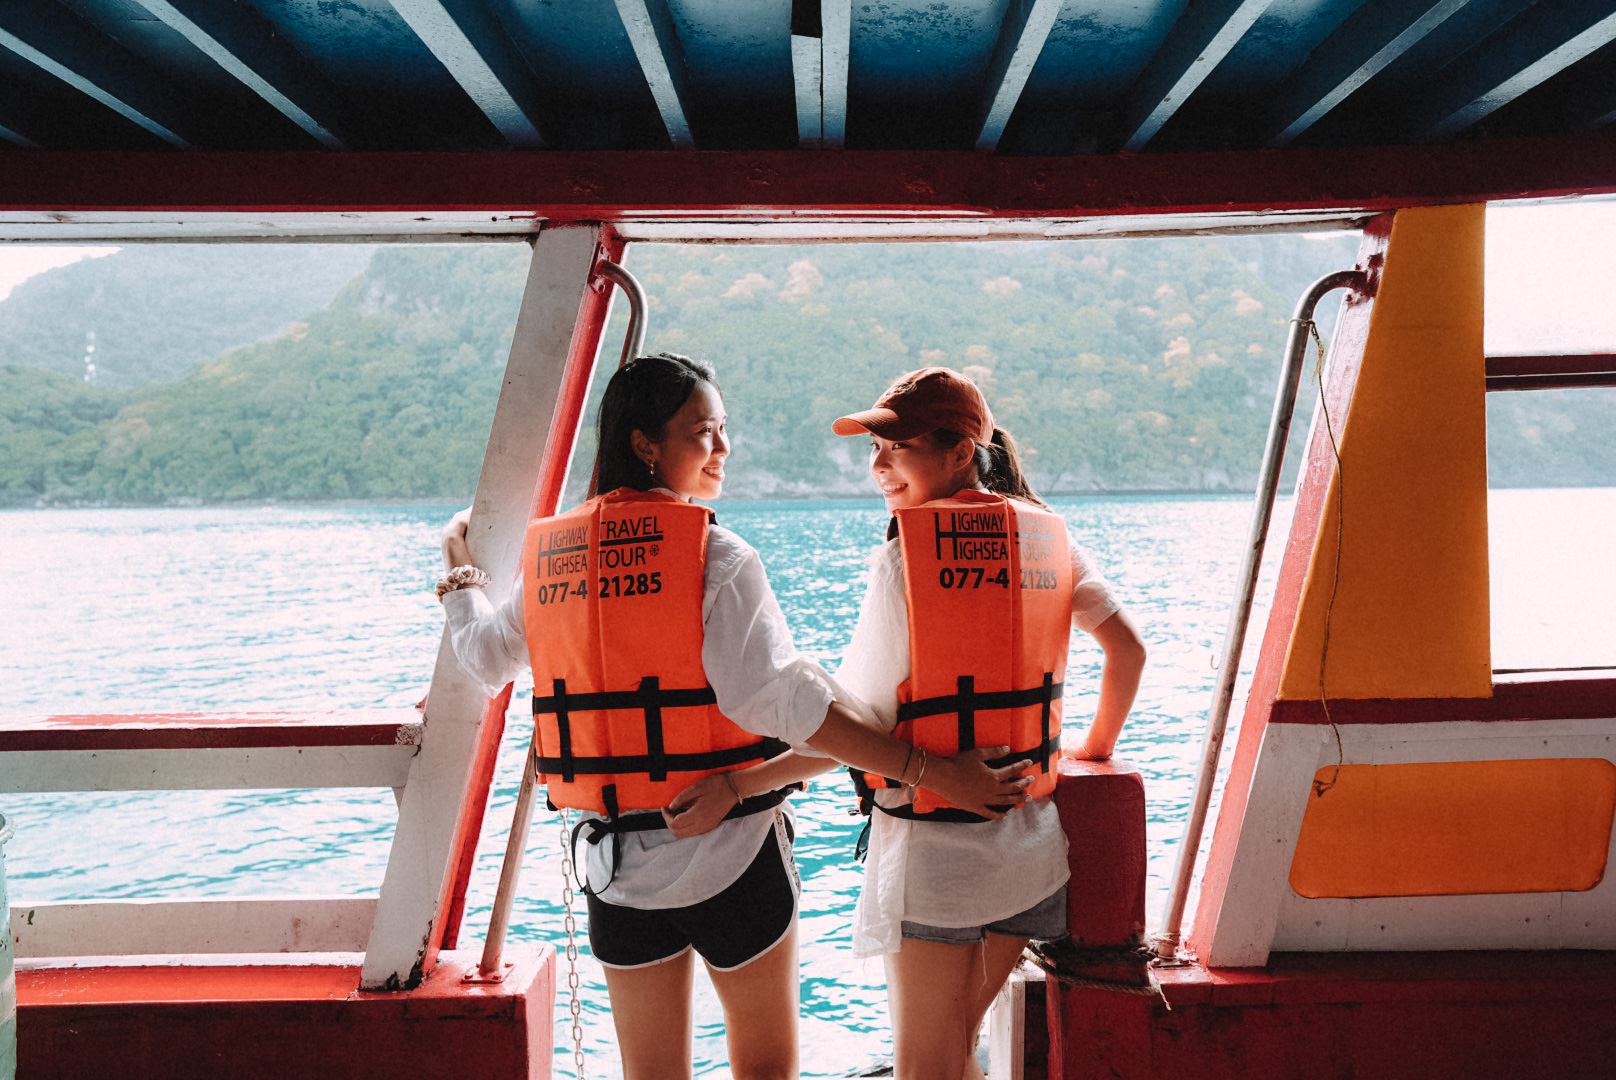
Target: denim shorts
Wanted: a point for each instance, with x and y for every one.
(1044, 921)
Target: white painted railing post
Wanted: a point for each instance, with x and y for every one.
(529, 446)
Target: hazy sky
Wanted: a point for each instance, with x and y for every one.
(1551, 275)
(19, 262)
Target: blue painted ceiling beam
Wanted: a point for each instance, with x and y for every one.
(656, 46)
(1026, 27)
(1206, 33)
(472, 45)
(51, 38)
(1365, 43)
(807, 72)
(835, 42)
(243, 44)
(1543, 41)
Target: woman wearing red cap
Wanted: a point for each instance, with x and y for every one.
(951, 901)
(961, 641)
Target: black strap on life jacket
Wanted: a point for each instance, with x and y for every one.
(650, 699)
(594, 830)
(867, 804)
(967, 701)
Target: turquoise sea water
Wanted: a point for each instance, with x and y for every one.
(140, 610)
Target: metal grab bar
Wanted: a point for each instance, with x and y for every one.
(634, 343)
(1279, 428)
(499, 919)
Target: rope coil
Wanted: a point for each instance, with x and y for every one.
(1064, 962)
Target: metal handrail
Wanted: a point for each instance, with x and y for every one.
(634, 343)
(1166, 942)
(499, 919)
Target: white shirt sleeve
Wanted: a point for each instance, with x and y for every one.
(876, 660)
(1092, 602)
(490, 645)
(762, 682)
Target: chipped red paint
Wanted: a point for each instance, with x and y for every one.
(193, 1020)
(210, 731)
(1332, 1016)
(582, 186)
(1543, 699)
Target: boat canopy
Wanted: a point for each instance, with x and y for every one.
(811, 119)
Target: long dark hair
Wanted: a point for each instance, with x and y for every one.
(642, 396)
(998, 465)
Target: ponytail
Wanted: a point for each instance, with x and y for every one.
(998, 465)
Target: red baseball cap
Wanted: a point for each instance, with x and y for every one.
(923, 401)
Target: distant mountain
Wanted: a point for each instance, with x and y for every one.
(156, 309)
(1120, 365)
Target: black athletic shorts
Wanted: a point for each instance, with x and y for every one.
(728, 931)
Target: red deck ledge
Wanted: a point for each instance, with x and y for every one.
(279, 1021)
(210, 731)
(1558, 696)
(1335, 1016)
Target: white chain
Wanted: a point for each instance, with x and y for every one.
(571, 924)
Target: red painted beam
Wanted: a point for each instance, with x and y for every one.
(1533, 372)
(273, 1022)
(567, 185)
(210, 731)
(1539, 699)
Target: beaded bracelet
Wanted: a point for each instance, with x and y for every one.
(462, 577)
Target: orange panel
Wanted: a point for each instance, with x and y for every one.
(1408, 616)
(1456, 828)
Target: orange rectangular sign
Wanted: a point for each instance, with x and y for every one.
(1454, 828)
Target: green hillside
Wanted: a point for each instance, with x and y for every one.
(1139, 364)
(156, 309)
(1121, 365)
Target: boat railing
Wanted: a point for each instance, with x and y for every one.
(202, 751)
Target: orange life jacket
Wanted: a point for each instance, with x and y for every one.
(623, 716)
(988, 581)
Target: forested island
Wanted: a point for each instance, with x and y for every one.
(228, 373)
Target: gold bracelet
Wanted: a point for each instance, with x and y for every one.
(733, 790)
(922, 774)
